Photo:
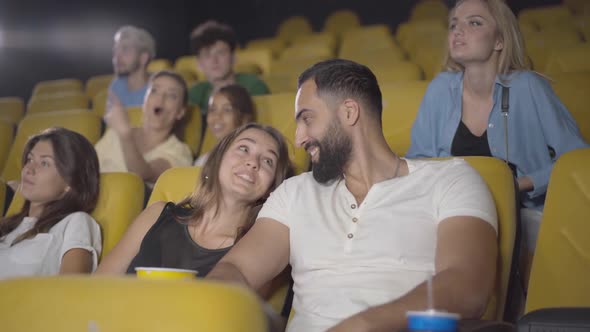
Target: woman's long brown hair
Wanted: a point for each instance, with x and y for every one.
(208, 190)
(77, 164)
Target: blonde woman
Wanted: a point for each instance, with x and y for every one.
(487, 102)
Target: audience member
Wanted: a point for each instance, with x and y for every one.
(229, 108)
(214, 44)
(488, 103)
(132, 52)
(152, 148)
(53, 232)
(365, 229)
(243, 168)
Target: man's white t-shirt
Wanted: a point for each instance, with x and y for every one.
(42, 254)
(346, 258)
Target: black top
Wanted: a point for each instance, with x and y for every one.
(169, 244)
(467, 144)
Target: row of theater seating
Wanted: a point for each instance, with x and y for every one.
(400, 105)
(560, 246)
(560, 257)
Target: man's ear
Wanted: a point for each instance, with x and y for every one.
(351, 111)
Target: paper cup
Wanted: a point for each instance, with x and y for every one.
(432, 320)
(164, 273)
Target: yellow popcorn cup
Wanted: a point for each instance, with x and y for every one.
(164, 273)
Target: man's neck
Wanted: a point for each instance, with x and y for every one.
(372, 161)
(137, 80)
(229, 79)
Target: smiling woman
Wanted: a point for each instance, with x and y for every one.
(230, 107)
(242, 170)
(53, 233)
(152, 148)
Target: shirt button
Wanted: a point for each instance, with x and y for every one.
(353, 206)
(350, 235)
(491, 125)
(354, 220)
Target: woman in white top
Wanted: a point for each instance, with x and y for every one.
(151, 149)
(53, 233)
(229, 108)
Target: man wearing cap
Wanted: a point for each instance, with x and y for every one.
(132, 52)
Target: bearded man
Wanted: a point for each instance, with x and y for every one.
(365, 229)
(133, 50)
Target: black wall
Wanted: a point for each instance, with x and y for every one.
(42, 40)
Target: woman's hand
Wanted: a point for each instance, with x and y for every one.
(116, 116)
(525, 184)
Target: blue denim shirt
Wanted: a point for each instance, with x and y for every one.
(127, 98)
(536, 120)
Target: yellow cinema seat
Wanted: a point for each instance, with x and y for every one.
(120, 200)
(124, 304)
(278, 111)
(66, 85)
(98, 83)
(561, 265)
(12, 109)
(401, 102)
(175, 184)
(43, 103)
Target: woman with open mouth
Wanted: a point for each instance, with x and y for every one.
(151, 149)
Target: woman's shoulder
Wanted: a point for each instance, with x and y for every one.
(79, 216)
(173, 143)
(526, 79)
(107, 138)
(444, 81)
(78, 219)
(446, 77)
(167, 210)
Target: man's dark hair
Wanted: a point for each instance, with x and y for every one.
(345, 79)
(209, 33)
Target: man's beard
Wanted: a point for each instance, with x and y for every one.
(128, 70)
(335, 150)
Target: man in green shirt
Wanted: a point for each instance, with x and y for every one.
(214, 44)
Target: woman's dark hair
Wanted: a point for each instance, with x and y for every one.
(240, 101)
(77, 164)
(208, 191)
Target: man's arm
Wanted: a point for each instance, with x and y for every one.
(258, 257)
(465, 266)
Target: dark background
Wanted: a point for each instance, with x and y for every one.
(46, 39)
